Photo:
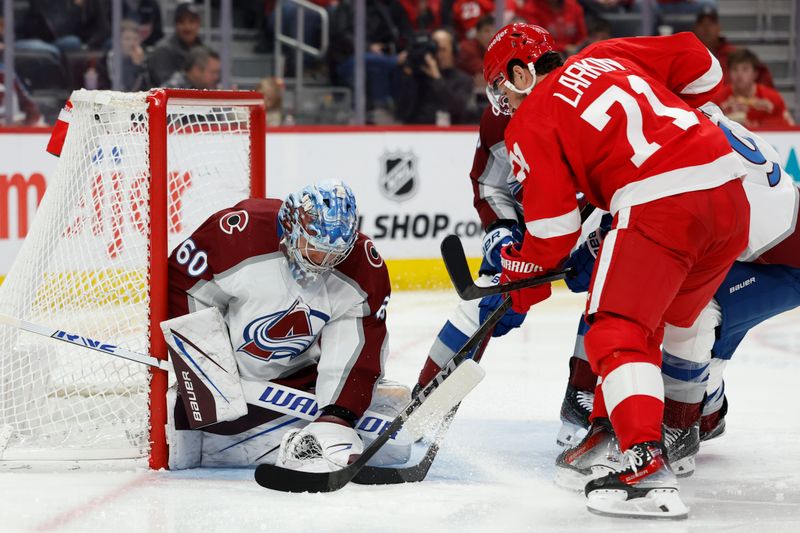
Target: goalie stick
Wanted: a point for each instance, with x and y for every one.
(286, 480)
(85, 342)
(455, 260)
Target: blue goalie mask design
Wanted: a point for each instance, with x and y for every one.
(319, 228)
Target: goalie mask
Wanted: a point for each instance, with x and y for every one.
(523, 42)
(319, 226)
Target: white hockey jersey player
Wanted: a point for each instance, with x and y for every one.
(304, 297)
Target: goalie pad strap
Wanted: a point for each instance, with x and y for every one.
(340, 412)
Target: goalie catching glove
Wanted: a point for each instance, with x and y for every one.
(515, 268)
(322, 446)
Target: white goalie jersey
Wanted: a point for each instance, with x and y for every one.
(329, 336)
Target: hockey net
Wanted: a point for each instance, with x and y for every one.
(138, 173)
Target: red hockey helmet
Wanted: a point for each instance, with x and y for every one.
(525, 42)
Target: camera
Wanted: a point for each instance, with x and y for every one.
(420, 45)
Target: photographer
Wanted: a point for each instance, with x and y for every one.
(432, 90)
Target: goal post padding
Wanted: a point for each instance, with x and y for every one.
(138, 173)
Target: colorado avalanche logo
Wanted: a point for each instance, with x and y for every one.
(236, 220)
(283, 334)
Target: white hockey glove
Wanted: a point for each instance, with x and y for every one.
(319, 447)
(205, 367)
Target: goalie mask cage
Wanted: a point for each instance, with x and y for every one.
(139, 172)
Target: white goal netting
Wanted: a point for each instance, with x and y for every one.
(85, 268)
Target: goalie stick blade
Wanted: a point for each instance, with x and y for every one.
(286, 480)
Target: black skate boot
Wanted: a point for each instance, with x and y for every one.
(595, 456)
(682, 445)
(575, 411)
(713, 425)
(645, 487)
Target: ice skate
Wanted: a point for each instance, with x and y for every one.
(595, 456)
(682, 445)
(575, 411)
(645, 487)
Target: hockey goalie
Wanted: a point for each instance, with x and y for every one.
(278, 337)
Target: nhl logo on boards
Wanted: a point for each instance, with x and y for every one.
(398, 180)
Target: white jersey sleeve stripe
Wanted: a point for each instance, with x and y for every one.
(632, 379)
(707, 81)
(547, 228)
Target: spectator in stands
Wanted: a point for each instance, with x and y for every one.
(25, 111)
(432, 90)
(684, 6)
(135, 75)
(202, 71)
(564, 20)
(471, 51)
(272, 89)
(599, 30)
(747, 101)
(61, 26)
(387, 32)
(147, 13)
(172, 54)
(597, 9)
(424, 15)
(708, 30)
(467, 13)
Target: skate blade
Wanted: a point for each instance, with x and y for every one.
(570, 434)
(683, 467)
(659, 503)
(573, 480)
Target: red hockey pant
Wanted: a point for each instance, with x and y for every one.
(661, 262)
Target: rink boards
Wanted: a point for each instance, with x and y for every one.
(411, 184)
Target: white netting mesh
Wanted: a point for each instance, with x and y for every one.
(84, 268)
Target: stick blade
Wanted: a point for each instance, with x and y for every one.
(455, 260)
(286, 480)
(447, 395)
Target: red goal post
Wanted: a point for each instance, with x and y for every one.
(138, 173)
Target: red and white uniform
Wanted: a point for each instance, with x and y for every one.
(330, 336)
(617, 122)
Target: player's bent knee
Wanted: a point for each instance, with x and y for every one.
(612, 334)
(695, 342)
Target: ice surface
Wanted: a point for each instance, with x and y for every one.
(495, 469)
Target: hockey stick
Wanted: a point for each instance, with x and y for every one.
(286, 480)
(382, 475)
(85, 342)
(255, 394)
(455, 260)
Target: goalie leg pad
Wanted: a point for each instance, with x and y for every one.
(205, 367)
(185, 446)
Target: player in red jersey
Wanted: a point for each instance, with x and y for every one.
(617, 123)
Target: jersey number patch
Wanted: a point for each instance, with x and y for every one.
(597, 115)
